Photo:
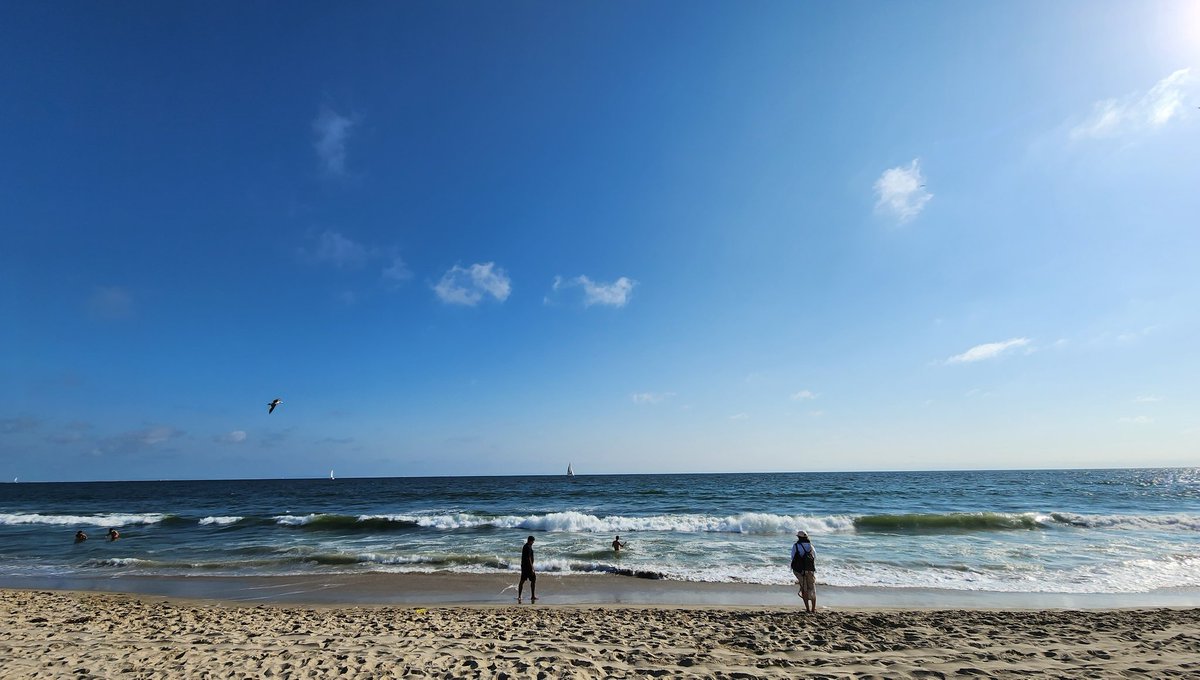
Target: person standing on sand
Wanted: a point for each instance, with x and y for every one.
(804, 566)
(527, 571)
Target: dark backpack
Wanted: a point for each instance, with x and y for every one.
(804, 559)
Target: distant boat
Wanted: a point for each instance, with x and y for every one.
(331, 474)
(570, 472)
(15, 479)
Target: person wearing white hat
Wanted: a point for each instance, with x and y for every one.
(804, 566)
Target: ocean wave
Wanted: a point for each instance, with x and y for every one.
(951, 522)
(336, 522)
(1176, 522)
(744, 523)
(101, 520)
(578, 522)
(220, 521)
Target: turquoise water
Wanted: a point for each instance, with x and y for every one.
(1076, 531)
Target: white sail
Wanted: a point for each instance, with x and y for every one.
(570, 472)
(331, 474)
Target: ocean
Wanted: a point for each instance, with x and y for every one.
(1043, 531)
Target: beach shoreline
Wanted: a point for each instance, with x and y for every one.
(455, 589)
(91, 634)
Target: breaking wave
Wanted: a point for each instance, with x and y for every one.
(101, 520)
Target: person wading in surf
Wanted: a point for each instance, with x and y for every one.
(804, 566)
(527, 571)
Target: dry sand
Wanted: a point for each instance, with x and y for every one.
(68, 634)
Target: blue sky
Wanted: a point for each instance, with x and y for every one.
(492, 238)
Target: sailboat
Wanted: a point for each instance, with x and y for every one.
(331, 474)
(570, 472)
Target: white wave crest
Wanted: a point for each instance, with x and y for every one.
(1176, 522)
(295, 520)
(1139, 522)
(379, 558)
(103, 520)
(572, 521)
(220, 521)
(118, 562)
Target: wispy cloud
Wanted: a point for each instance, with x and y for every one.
(332, 130)
(989, 350)
(397, 272)
(469, 285)
(335, 248)
(615, 294)
(740, 416)
(233, 437)
(900, 192)
(135, 441)
(1146, 399)
(1138, 111)
(338, 250)
(804, 395)
(110, 303)
(18, 425)
(651, 397)
(1134, 336)
(1135, 420)
(71, 433)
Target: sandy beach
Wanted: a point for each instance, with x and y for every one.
(72, 634)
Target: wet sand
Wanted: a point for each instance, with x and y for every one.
(574, 589)
(72, 634)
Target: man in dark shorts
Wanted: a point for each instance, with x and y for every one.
(804, 566)
(527, 571)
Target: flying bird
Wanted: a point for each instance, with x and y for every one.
(271, 406)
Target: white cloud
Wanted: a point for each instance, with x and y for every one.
(740, 416)
(901, 192)
(340, 251)
(615, 294)
(1138, 111)
(332, 130)
(989, 350)
(651, 397)
(1135, 420)
(110, 303)
(234, 437)
(469, 285)
(804, 394)
(1146, 399)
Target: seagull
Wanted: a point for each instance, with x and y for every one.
(271, 406)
